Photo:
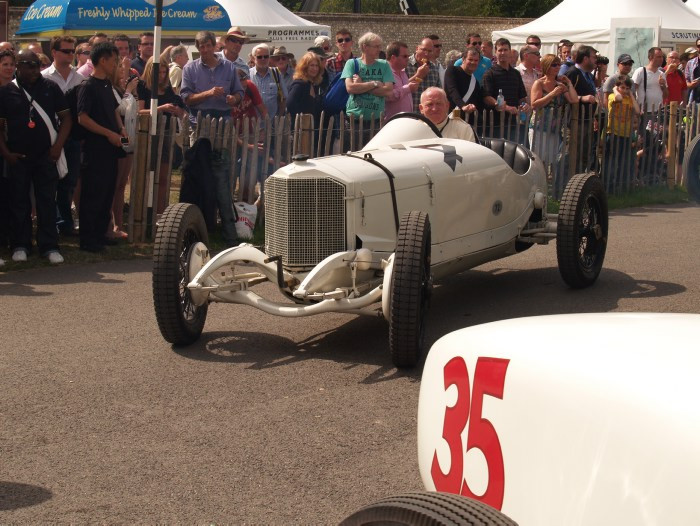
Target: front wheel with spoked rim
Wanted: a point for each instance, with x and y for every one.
(182, 230)
(582, 230)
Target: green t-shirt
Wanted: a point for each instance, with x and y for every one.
(368, 105)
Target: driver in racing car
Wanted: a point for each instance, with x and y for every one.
(434, 106)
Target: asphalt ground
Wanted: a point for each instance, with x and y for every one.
(264, 420)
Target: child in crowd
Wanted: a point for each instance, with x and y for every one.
(622, 114)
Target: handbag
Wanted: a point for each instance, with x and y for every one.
(337, 96)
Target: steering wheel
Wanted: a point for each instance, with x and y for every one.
(418, 117)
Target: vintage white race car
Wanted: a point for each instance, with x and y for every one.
(600, 431)
(367, 232)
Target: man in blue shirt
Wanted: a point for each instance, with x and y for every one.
(267, 79)
(474, 40)
(211, 85)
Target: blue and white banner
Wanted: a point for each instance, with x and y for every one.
(50, 16)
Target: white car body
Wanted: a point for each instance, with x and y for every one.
(601, 427)
(340, 229)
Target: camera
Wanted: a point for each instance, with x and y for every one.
(124, 140)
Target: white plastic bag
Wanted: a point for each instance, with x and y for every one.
(130, 106)
(245, 223)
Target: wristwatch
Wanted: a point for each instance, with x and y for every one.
(375, 83)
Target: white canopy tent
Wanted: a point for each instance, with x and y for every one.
(269, 21)
(613, 26)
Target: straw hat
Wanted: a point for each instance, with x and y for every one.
(237, 32)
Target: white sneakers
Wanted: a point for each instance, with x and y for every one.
(19, 255)
(55, 257)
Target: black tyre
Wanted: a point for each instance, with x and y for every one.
(582, 230)
(180, 321)
(426, 509)
(691, 168)
(411, 287)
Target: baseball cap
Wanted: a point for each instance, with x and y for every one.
(624, 58)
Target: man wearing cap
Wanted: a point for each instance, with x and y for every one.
(692, 72)
(235, 38)
(279, 59)
(624, 66)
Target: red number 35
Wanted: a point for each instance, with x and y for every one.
(489, 378)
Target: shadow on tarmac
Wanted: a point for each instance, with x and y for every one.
(471, 298)
(15, 495)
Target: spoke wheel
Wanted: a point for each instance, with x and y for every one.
(180, 320)
(424, 508)
(582, 230)
(410, 290)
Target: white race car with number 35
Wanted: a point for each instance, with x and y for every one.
(600, 431)
(368, 232)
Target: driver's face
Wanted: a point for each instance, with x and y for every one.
(434, 106)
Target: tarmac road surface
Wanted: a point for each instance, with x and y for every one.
(265, 420)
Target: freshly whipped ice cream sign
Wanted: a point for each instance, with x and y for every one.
(48, 16)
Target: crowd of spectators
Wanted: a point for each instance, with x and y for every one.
(81, 159)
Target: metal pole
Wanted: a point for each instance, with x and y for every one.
(155, 164)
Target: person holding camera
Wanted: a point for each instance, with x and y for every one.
(98, 113)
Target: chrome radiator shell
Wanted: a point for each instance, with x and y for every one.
(304, 219)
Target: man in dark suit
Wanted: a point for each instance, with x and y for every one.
(581, 76)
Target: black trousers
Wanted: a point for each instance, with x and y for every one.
(97, 190)
(42, 173)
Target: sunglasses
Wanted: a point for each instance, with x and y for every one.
(346, 39)
(536, 44)
(83, 52)
(235, 40)
(556, 64)
(437, 45)
(67, 51)
(28, 63)
(476, 43)
(262, 57)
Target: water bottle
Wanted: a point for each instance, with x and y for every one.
(500, 100)
(523, 114)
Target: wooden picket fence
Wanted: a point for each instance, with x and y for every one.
(563, 139)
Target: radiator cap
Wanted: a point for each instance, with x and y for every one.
(300, 158)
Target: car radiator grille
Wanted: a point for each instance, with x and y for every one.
(304, 219)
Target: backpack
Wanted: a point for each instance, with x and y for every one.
(77, 132)
(337, 96)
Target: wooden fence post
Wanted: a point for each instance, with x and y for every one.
(672, 150)
(573, 141)
(306, 133)
(138, 182)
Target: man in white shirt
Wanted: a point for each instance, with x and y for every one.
(529, 64)
(63, 73)
(434, 106)
(650, 82)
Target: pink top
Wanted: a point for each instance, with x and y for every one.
(401, 99)
(86, 69)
